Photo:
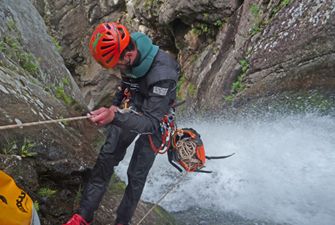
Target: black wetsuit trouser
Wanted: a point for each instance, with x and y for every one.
(111, 153)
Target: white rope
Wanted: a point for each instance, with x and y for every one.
(12, 126)
(163, 196)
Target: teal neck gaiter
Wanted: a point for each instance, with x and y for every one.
(147, 50)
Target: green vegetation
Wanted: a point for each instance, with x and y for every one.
(78, 196)
(25, 150)
(61, 95)
(11, 25)
(13, 49)
(259, 21)
(164, 217)
(66, 82)
(238, 85)
(200, 29)
(255, 10)
(218, 23)
(282, 4)
(46, 192)
(206, 29)
(36, 206)
(180, 84)
(9, 148)
(229, 98)
(191, 90)
(56, 43)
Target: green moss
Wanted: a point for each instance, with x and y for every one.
(238, 85)
(56, 43)
(164, 217)
(191, 90)
(46, 192)
(281, 4)
(257, 25)
(66, 82)
(12, 48)
(255, 10)
(180, 84)
(149, 3)
(11, 25)
(61, 95)
(229, 98)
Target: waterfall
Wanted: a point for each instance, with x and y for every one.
(283, 170)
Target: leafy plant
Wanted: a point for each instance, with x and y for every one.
(9, 148)
(46, 192)
(218, 23)
(25, 150)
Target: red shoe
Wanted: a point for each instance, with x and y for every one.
(77, 220)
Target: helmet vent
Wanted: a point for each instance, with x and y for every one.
(107, 39)
(110, 59)
(110, 51)
(109, 27)
(121, 32)
(107, 46)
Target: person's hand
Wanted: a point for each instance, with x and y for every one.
(103, 115)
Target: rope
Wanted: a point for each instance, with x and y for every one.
(43, 122)
(163, 196)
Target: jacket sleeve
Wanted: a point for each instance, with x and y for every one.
(154, 107)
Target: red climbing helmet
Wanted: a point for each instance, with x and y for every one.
(107, 43)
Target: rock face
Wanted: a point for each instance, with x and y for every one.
(35, 85)
(48, 161)
(230, 51)
(71, 23)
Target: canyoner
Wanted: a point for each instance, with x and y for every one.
(183, 146)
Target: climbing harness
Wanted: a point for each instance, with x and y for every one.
(167, 129)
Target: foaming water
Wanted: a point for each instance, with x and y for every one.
(283, 170)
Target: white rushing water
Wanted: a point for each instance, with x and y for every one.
(283, 170)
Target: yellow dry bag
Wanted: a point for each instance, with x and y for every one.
(16, 207)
